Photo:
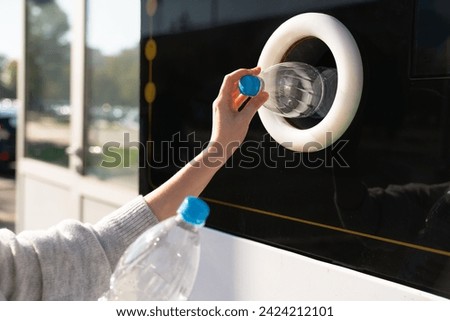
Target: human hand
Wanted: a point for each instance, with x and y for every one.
(230, 126)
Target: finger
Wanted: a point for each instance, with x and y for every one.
(244, 103)
(235, 94)
(255, 103)
(239, 101)
(230, 80)
(237, 74)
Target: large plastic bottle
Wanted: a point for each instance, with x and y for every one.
(162, 263)
(295, 89)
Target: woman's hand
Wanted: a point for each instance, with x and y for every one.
(230, 126)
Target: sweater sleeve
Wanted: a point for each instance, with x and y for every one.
(72, 260)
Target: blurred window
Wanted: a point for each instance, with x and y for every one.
(9, 34)
(48, 109)
(9, 54)
(112, 90)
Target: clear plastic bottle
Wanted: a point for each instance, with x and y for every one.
(295, 89)
(162, 263)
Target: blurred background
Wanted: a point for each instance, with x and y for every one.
(9, 57)
(69, 87)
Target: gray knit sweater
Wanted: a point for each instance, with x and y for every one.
(72, 260)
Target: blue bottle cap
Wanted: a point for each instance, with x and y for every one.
(194, 210)
(249, 85)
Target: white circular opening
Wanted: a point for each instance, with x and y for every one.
(350, 80)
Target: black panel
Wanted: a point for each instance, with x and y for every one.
(365, 202)
(431, 39)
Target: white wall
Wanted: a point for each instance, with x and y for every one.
(233, 268)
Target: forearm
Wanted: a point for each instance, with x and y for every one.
(71, 260)
(190, 180)
(230, 127)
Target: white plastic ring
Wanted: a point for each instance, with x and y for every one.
(349, 88)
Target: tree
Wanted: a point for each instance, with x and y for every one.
(113, 79)
(47, 54)
(8, 78)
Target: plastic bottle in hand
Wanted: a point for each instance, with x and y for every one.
(295, 89)
(162, 263)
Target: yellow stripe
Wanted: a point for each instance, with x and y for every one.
(331, 227)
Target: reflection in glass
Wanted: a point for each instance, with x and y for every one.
(48, 80)
(112, 90)
(432, 40)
